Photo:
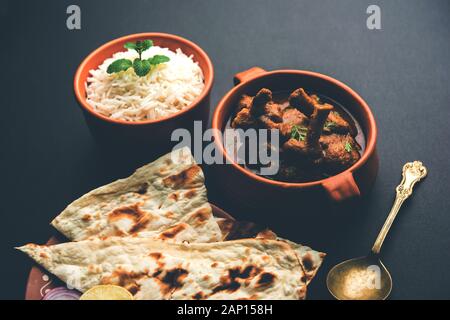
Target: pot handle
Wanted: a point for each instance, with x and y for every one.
(247, 75)
(342, 187)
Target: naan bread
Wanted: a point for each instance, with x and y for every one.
(310, 259)
(239, 269)
(166, 194)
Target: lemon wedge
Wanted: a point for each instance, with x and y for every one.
(107, 292)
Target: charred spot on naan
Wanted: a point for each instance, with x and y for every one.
(309, 266)
(301, 292)
(127, 279)
(308, 262)
(246, 273)
(206, 277)
(173, 231)
(157, 273)
(265, 279)
(156, 255)
(245, 229)
(133, 212)
(202, 215)
(236, 276)
(304, 278)
(142, 189)
(171, 280)
(169, 215)
(86, 218)
(199, 296)
(183, 178)
(92, 268)
(140, 224)
(119, 233)
(43, 255)
(190, 194)
(174, 196)
(226, 285)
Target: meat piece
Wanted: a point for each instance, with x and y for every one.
(302, 101)
(308, 145)
(301, 151)
(298, 147)
(262, 104)
(286, 130)
(315, 97)
(292, 117)
(305, 103)
(259, 102)
(268, 123)
(339, 151)
(243, 119)
(273, 111)
(316, 123)
(245, 102)
(260, 109)
(335, 123)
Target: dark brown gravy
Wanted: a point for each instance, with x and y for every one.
(281, 97)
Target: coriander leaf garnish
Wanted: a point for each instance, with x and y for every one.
(119, 65)
(299, 132)
(140, 67)
(330, 125)
(348, 147)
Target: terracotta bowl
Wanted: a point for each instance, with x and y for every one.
(153, 133)
(258, 191)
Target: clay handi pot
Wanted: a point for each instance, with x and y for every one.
(150, 134)
(258, 191)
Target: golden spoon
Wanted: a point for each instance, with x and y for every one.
(366, 278)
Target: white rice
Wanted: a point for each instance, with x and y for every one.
(167, 89)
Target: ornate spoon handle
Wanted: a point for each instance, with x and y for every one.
(413, 172)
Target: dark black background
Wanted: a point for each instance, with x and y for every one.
(48, 157)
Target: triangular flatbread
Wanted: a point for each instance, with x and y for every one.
(168, 193)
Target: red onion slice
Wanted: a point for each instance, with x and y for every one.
(62, 293)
